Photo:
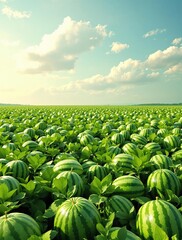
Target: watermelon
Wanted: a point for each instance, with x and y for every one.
(11, 182)
(74, 181)
(138, 139)
(152, 147)
(17, 169)
(30, 132)
(163, 132)
(163, 179)
(161, 161)
(124, 162)
(67, 165)
(171, 142)
(122, 208)
(76, 218)
(31, 145)
(87, 164)
(130, 148)
(18, 226)
(96, 170)
(158, 214)
(117, 138)
(128, 186)
(86, 139)
(126, 134)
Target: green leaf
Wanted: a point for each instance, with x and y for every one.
(61, 184)
(36, 161)
(110, 221)
(96, 186)
(30, 186)
(101, 237)
(137, 162)
(95, 199)
(101, 229)
(141, 200)
(106, 181)
(5, 193)
(49, 235)
(34, 237)
(118, 234)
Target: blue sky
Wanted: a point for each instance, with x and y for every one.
(59, 52)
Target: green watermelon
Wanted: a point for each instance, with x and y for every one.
(76, 219)
(18, 226)
(158, 214)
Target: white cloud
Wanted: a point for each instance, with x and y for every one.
(158, 66)
(9, 12)
(9, 43)
(175, 69)
(177, 41)
(60, 49)
(118, 47)
(153, 32)
(165, 59)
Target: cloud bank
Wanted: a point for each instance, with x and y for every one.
(11, 13)
(159, 66)
(60, 49)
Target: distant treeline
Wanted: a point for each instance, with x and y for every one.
(159, 104)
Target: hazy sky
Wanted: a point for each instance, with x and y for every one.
(90, 51)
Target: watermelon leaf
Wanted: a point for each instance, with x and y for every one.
(5, 193)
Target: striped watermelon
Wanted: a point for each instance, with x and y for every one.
(18, 226)
(3, 161)
(114, 150)
(76, 219)
(86, 164)
(123, 161)
(67, 165)
(11, 182)
(63, 156)
(162, 132)
(30, 132)
(152, 147)
(177, 156)
(96, 170)
(10, 146)
(128, 186)
(31, 145)
(177, 131)
(41, 125)
(138, 139)
(171, 142)
(154, 123)
(17, 169)
(158, 213)
(163, 179)
(86, 139)
(126, 134)
(73, 180)
(131, 127)
(122, 207)
(161, 161)
(146, 132)
(117, 138)
(130, 148)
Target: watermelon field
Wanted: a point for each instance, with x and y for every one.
(90, 172)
